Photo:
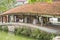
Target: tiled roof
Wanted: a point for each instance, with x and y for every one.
(40, 8)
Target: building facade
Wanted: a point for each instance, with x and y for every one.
(20, 2)
(32, 13)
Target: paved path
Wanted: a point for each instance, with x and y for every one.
(47, 29)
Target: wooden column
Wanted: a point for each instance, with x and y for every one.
(45, 20)
(30, 19)
(23, 18)
(7, 18)
(38, 19)
(48, 19)
(2, 19)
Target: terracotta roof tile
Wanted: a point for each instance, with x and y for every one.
(40, 8)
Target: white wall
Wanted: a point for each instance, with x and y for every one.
(54, 21)
(21, 3)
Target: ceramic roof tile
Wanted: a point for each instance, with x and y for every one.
(40, 8)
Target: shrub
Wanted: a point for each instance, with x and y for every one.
(34, 33)
(26, 31)
(23, 31)
(0, 27)
(18, 30)
(41, 35)
(46, 36)
(5, 28)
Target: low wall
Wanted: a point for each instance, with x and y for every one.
(12, 26)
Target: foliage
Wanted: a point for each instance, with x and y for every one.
(23, 31)
(34, 33)
(6, 4)
(33, 1)
(5, 28)
(26, 31)
(18, 30)
(0, 27)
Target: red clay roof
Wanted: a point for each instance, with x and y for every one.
(40, 8)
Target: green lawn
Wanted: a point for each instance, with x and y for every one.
(9, 36)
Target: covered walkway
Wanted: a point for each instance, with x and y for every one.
(32, 13)
(29, 14)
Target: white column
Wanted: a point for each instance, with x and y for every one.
(35, 21)
(12, 18)
(41, 21)
(15, 18)
(25, 19)
(7, 19)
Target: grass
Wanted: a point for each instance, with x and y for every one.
(10, 36)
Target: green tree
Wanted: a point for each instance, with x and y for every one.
(6, 5)
(33, 1)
